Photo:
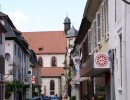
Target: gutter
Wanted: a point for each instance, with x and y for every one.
(86, 7)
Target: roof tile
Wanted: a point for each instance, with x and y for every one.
(47, 41)
(52, 71)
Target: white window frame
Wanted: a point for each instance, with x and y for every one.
(120, 63)
(102, 20)
(98, 27)
(95, 34)
(106, 37)
(93, 37)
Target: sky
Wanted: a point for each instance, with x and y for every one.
(43, 15)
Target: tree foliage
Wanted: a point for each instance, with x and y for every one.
(10, 86)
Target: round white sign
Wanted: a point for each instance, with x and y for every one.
(101, 60)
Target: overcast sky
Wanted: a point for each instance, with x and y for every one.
(43, 15)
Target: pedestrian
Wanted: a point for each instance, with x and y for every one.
(60, 97)
(56, 95)
(93, 98)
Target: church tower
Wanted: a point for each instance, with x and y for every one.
(66, 25)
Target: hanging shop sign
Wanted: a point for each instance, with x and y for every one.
(101, 60)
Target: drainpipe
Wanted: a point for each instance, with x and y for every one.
(124, 67)
(112, 69)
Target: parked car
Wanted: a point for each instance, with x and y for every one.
(35, 98)
(45, 97)
(54, 98)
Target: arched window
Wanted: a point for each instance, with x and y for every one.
(52, 87)
(40, 61)
(45, 90)
(53, 61)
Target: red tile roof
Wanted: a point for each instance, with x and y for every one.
(52, 71)
(49, 41)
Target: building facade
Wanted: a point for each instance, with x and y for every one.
(119, 13)
(103, 47)
(2, 60)
(70, 33)
(50, 48)
(91, 48)
(16, 60)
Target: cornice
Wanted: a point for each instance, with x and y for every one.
(85, 24)
(91, 8)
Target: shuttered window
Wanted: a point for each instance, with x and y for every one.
(107, 21)
(92, 37)
(102, 20)
(95, 33)
(99, 28)
(89, 42)
(98, 25)
(106, 28)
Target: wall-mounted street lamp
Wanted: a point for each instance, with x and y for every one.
(10, 72)
(5, 76)
(7, 56)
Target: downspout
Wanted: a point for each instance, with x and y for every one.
(112, 54)
(124, 68)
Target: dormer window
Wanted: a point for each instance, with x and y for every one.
(40, 49)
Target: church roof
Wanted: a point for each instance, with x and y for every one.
(72, 32)
(51, 71)
(46, 42)
(3, 14)
(67, 20)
